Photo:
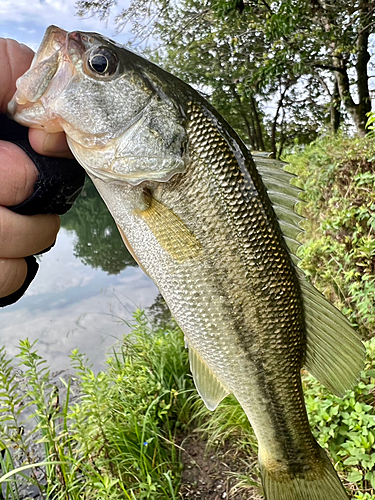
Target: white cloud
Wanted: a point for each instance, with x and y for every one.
(26, 21)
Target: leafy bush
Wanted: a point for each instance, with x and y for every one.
(346, 427)
(338, 176)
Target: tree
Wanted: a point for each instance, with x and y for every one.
(279, 71)
(328, 35)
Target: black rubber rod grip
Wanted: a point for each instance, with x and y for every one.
(59, 183)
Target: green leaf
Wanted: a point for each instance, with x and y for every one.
(355, 476)
(351, 461)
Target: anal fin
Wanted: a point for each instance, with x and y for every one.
(209, 387)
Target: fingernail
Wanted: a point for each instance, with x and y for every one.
(55, 143)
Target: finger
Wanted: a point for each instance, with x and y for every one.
(18, 174)
(49, 144)
(15, 60)
(13, 273)
(22, 235)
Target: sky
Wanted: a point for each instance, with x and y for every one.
(27, 20)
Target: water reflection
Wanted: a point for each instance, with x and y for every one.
(86, 287)
(99, 244)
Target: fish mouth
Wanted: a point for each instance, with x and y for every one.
(30, 103)
(44, 64)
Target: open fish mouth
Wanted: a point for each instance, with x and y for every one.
(30, 105)
(53, 67)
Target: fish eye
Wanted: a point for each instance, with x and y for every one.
(103, 61)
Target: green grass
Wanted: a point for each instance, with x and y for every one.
(115, 434)
(118, 440)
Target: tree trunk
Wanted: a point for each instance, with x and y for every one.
(276, 117)
(258, 127)
(335, 109)
(363, 58)
(249, 128)
(357, 111)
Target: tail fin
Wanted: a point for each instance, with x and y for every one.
(320, 484)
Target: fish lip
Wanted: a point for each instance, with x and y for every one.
(51, 46)
(59, 47)
(54, 39)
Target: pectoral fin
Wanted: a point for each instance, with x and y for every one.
(172, 234)
(209, 387)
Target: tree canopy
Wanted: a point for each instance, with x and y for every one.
(278, 71)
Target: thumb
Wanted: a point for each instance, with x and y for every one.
(15, 59)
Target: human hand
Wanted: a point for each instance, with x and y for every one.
(24, 235)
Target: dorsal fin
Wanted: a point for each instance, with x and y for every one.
(334, 354)
(284, 198)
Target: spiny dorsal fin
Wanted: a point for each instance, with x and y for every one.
(335, 354)
(283, 196)
(208, 385)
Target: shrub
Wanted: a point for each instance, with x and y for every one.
(338, 254)
(346, 426)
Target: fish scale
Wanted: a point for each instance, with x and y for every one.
(215, 228)
(247, 329)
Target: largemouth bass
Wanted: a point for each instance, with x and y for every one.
(215, 229)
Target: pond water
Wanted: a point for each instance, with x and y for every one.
(85, 291)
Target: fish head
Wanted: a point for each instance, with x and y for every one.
(121, 120)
